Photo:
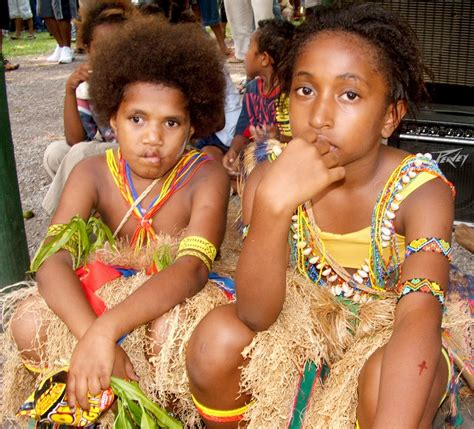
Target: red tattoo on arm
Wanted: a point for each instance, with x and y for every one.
(422, 366)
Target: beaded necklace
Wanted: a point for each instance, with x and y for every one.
(312, 260)
(178, 177)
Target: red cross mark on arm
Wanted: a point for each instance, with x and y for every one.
(422, 366)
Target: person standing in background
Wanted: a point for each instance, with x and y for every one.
(57, 17)
(243, 16)
(4, 24)
(20, 11)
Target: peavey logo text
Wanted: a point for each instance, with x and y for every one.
(453, 157)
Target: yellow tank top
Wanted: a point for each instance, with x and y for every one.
(352, 249)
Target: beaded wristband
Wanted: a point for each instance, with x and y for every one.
(421, 285)
(429, 244)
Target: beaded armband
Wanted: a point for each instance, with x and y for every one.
(429, 244)
(198, 247)
(421, 285)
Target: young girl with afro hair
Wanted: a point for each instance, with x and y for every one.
(158, 85)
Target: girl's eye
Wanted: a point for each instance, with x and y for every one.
(351, 95)
(136, 119)
(170, 123)
(304, 91)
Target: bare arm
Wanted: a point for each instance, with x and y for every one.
(411, 356)
(304, 169)
(73, 129)
(57, 281)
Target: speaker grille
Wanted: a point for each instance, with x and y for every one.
(445, 29)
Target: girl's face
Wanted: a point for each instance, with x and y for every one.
(338, 92)
(152, 126)
(253, 58)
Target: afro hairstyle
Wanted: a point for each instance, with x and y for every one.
(97, 12)
(148, 49)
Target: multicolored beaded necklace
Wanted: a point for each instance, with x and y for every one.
(178, 177)
(309, 253)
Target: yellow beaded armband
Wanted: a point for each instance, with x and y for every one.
(421, 285)
(198, 247)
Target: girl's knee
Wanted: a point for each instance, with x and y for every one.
(216, 345)
(28, 327)
(159, 331)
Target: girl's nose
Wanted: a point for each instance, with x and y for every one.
(153, 135)
(321, 113)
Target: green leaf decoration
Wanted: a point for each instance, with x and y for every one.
(78, 237)
(152, 416)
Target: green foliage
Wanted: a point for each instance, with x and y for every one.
(80, 238)
(136, 410)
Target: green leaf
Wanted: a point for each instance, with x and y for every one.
(134, 410)
(121, 420)
(131, 391)
(147, 421)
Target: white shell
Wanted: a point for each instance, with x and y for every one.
(326, 272)
(399, 187)
(348, 293)
(338, 290)
(358, 278)
(366, 268)
(385, 243)
(313, 260)
(386, 231)
(412, 174)
(295, 225)
(307, 251)
(419, 155)
(319, 266)
(277, 151)
(362, 273)
(394, 206)
(428, 156)
(387, 223)
(418, 162)
(333, 290)
(346, 287)
(295, 236)
(356, 297)
(294, 218)
(363, 299)
(385, 237)
(333, 278)
(301, 244)
(390, 215)
(405, 179)
(399, 197)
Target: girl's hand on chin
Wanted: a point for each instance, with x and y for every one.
(306, 167)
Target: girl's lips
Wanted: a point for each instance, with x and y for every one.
(152, 157)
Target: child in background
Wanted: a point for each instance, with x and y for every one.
(265, 54)
(218, 144)
(84, 136)
(368, 229)
(156, 97)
